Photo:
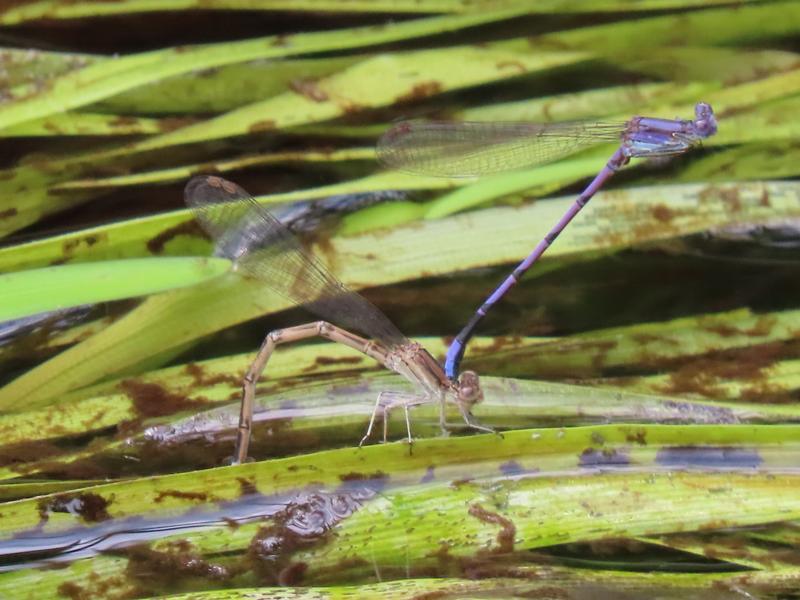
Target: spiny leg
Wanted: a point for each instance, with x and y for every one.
(443, 425)
(406, 401)
(372, 417)
(473, 423)
(408, 423)
(387, 401)
(283, 336)
(469, 420)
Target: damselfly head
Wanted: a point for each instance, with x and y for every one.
(705, 123)
(468, 388)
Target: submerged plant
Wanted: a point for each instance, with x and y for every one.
(642, 376)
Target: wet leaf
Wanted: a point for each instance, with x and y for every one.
(55, 288)
(650, 431)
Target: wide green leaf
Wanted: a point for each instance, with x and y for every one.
(55, 288)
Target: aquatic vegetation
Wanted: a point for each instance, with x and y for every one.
(644, 375)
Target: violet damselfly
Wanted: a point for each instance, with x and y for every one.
(470, 149)
(262, 248)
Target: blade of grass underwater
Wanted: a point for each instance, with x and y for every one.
(477, 515)
(703, 63)
(561, 107)
(752, 110)
(544, 509)
(589, 104)
(15, 491)
(377, 81)
(615, 220)
(769, 160)
(715, 26)
(54, 9)
(222, 166)
(162, 233)
(36, 200)
(549, 177)
(21, 66)
(332, 411)
(49, 9)
(68, 337)
(527, 581)
(480, 456)
(600, 103)
(524, 581)
(206, 438)
(112, 76)
(113, 574)
(586, 104)
(338, 94)
(655, 346)
(732, 547)
(55, 288)
(74, 123)
(166, 232)
(773, 121)
(223, 88)
(659, 346)
(635, 347)
(773, 380)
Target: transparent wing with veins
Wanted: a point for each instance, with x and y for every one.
(264, 249)
(469, 149)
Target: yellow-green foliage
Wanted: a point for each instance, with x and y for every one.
(96, 416)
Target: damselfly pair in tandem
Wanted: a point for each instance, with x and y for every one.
(263, 248)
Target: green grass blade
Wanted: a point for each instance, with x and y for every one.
(55, 288)
(561, 107)
(468, 501)
(703, 63)
(374, 82)
(745, 126)
(669, 345)
(224, 88)
(715, 26)
(649, 346)
(189, 408)
(665, 464)
(53, 9)
(23, 66)
(69, 124)
(539, 582)
(614, 220)
(478, 455)
(112, 76)
(223, 166)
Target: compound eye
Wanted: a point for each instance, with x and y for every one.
(702, 111)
